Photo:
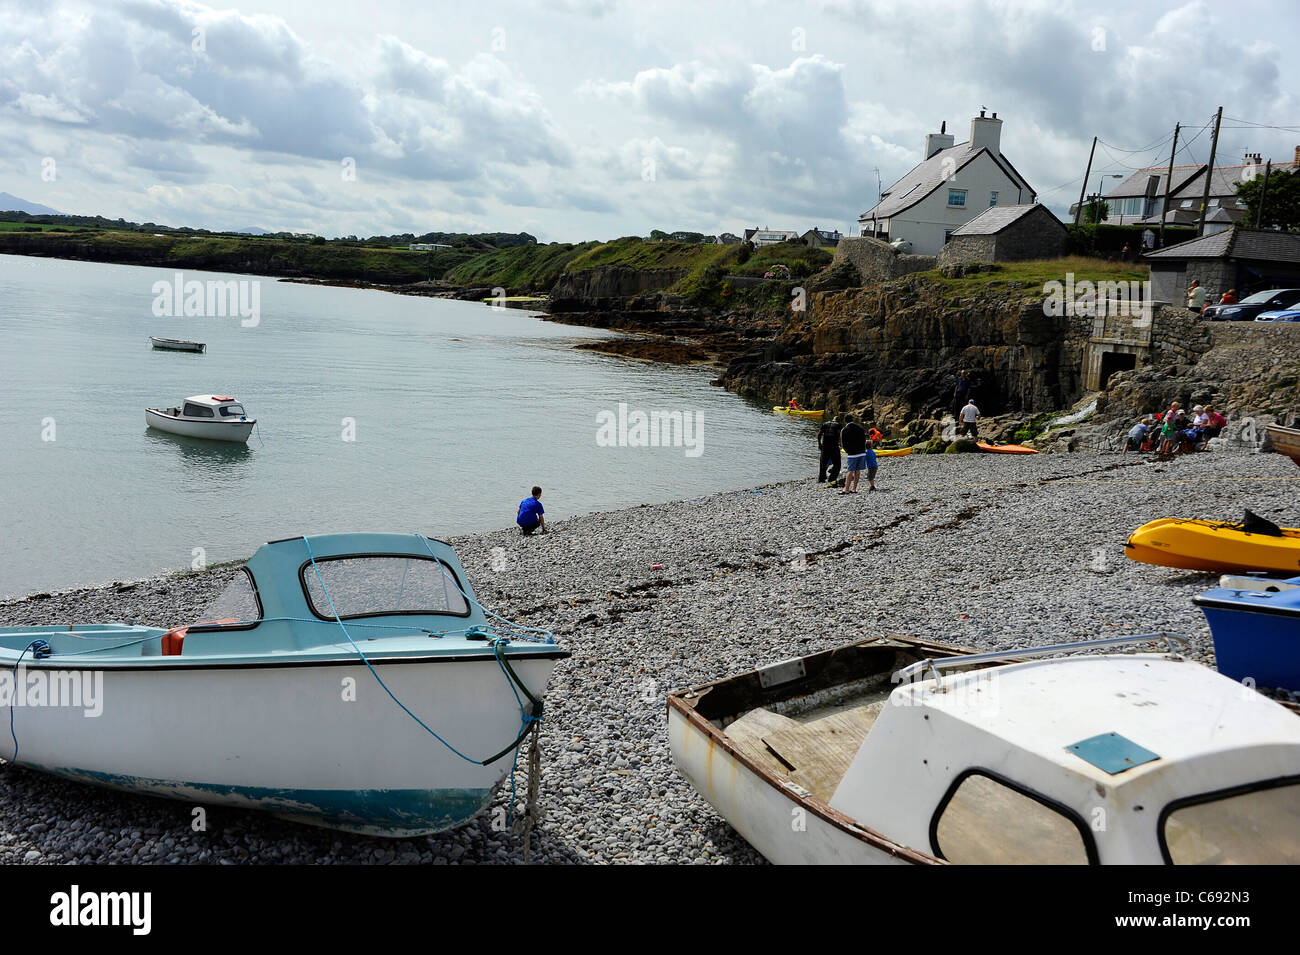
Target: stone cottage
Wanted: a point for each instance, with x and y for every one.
(1007, 234)
(1248, 260)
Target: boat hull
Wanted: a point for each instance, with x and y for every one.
(213, 430)
(1256, 635)
(772, 818)
(1213, 546)
(1285, 441)
(799, 412)
(171, 344)
(321, 744)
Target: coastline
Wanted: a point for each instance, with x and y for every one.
(989, 551)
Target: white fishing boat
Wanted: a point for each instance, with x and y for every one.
(177, 344)
(880, 753)
(347, 680)
(216, 417)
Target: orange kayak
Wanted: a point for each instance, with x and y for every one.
(1005, 448)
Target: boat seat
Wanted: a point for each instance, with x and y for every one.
(816, 754)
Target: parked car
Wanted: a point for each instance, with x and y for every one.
(1252, 305)
(1279, 315)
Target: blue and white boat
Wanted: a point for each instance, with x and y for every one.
(1256, 628)
(348, 680)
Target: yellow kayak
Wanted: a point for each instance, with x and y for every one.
(1214, 546)
(798, 412)
(889, 452)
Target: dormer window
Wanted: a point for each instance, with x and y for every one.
(993, 198)
(957, 198)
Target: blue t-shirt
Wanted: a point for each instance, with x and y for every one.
(530, 511)
(871, 458)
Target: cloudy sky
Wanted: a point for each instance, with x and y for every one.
(577, 119)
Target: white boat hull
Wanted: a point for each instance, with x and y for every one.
(318, 743)
(783, 824)
(212, 429)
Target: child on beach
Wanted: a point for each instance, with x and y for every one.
(530, 513)
(871, 466)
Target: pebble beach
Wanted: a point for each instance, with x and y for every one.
(983, 550)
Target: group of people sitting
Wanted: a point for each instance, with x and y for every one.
(1176, 431)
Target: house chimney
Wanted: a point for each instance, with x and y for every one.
(986, 131)
(937, 141)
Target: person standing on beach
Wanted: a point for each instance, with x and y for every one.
(530, 516)
(828, 444)
(969, 415)
(854, 439)
(960, 392)
(871, 465)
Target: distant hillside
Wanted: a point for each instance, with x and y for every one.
(9, 203)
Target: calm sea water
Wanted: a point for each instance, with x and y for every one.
(456, 410)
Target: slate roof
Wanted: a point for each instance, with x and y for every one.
(1188, 177)
(1260, 245)
(929, 175)
(996, 218)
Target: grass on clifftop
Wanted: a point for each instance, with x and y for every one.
(1034, 275)
(524, 267)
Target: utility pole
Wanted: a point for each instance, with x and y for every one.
(1209, 172)
(1263, 191)
(1169, 183)
(1078, 210)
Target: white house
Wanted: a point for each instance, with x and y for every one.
(951, 186)
(769, 236)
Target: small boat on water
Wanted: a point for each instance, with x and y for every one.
(880, 753)
(313, 691)
(178, 344)
(1285, 441)
(798, 412)
(216, 417)
(1005, 448)
(1256, 628)
(1218, 547)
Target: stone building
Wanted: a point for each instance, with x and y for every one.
(1247, 260)
(1007, 234)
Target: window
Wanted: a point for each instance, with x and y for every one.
(1260, 826)
(232, 411)
(984, 821)
(238, 602)
(380, 584)
(957, 198)
(993, 198)
(947, 234)
(198, 411)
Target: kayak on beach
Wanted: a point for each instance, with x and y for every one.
(798, 412)
(1005, 448)
(1216, 546)
(889, 452)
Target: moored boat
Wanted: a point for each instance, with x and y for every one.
(216, 417)
(177, 344)
(313, 691)
(798, 412)
(1256, 630)
(1285, 441)
(1216, 546)
(1138, 758)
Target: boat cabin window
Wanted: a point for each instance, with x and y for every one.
(1258, 827)
(232, 410)
(382, 584)
(198, 411)
(986, 822)
(238, 603)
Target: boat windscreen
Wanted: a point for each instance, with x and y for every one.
(378, 585)
(232, 410)
(237, 602)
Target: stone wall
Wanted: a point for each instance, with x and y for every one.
(968, 248)
(877, 261)
(1035, 235)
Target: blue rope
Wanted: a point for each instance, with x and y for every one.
(379, 679)
(36, 647)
